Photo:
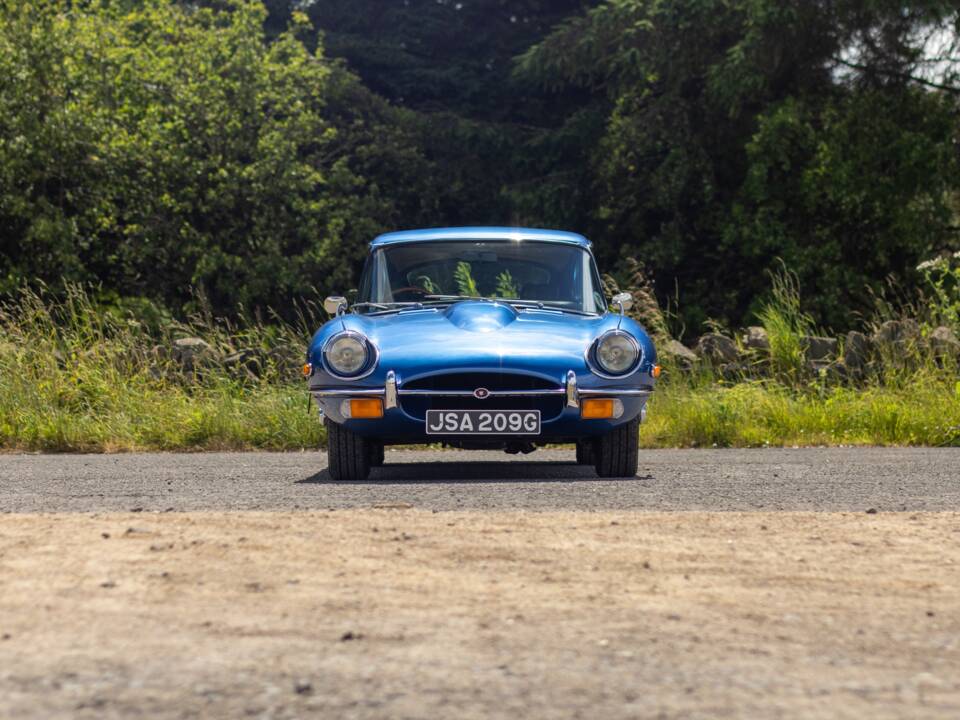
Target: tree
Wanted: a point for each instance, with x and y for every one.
(732, 136)
(164, 148)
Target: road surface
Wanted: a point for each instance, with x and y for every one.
(828, 479)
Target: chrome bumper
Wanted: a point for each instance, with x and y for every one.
(392, 391)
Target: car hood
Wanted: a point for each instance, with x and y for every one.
(480, 336)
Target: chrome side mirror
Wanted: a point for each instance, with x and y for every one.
(623, 300)
(335, 304)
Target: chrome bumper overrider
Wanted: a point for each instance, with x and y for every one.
(391, 391)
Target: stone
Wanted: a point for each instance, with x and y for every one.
(684, 356)
(944, 342)
(246, 361)
(717, 348)
(735, 372)
(896, 332)
(191, 352)
(818, 348)
(856, 350)
(756, 338)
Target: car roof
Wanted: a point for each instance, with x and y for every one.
(480, 233)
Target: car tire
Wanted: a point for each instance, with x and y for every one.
(376, 454)
(348, 454)
(617, 452)
(585, 452)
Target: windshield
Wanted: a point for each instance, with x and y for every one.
(523, 273)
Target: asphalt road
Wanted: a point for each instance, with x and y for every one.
(837, 479)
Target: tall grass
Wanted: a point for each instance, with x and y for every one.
(758, 414)
(79, 376)
(906, 395)
(786, 325)
(76, 376)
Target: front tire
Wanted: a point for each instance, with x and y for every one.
(617, 452)
(585, 452)
(377, 455)
(348, 454)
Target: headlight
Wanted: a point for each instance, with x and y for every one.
(617, 352)
(346, 354)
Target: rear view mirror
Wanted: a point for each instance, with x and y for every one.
(624, 300)
(335, 304)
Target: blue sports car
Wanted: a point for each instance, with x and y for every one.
(479, 337)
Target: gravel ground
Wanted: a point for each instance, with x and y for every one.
(826, 479)
(253, 599)
(393, 614)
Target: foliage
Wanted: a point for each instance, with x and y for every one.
(463, 276)
(170, 147)
(645, 309)
(506, 286)
(75, 375)
(942, 276)
(428, 285)
(757, 414)
(786, 325)
(740, 132)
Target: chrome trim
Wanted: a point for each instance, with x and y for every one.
(390, 391)
(347, 392)
(573, 397)
(595, 366)
(374, 351)
(615, 393)
(493, 393)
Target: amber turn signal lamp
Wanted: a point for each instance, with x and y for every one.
(366, 408)
(656, 371)
(597, 408)
(307, 369)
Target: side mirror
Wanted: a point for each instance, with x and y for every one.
(624, 300)
(335, 304)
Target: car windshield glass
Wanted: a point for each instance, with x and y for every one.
(527, 272)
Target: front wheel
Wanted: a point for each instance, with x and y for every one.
(377, 455)
(617, 452)
(348, 454)
(585, 452)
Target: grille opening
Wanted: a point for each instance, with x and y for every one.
(549, 406)
(472, 381)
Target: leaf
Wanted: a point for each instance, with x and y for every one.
(506, 286)
(466, 285)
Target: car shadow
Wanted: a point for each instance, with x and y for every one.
(470, 472)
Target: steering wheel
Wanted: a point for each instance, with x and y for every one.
(410, 288)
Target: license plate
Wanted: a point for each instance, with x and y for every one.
(483, 422)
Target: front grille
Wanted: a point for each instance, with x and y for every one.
(550, 406)
(471, 381)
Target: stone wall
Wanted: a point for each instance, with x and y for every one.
(748, 353)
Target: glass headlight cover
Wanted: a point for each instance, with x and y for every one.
(617, 353)
(346, 354)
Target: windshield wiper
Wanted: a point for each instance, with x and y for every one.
(540, 305)
(453, 298)
(386, 306)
